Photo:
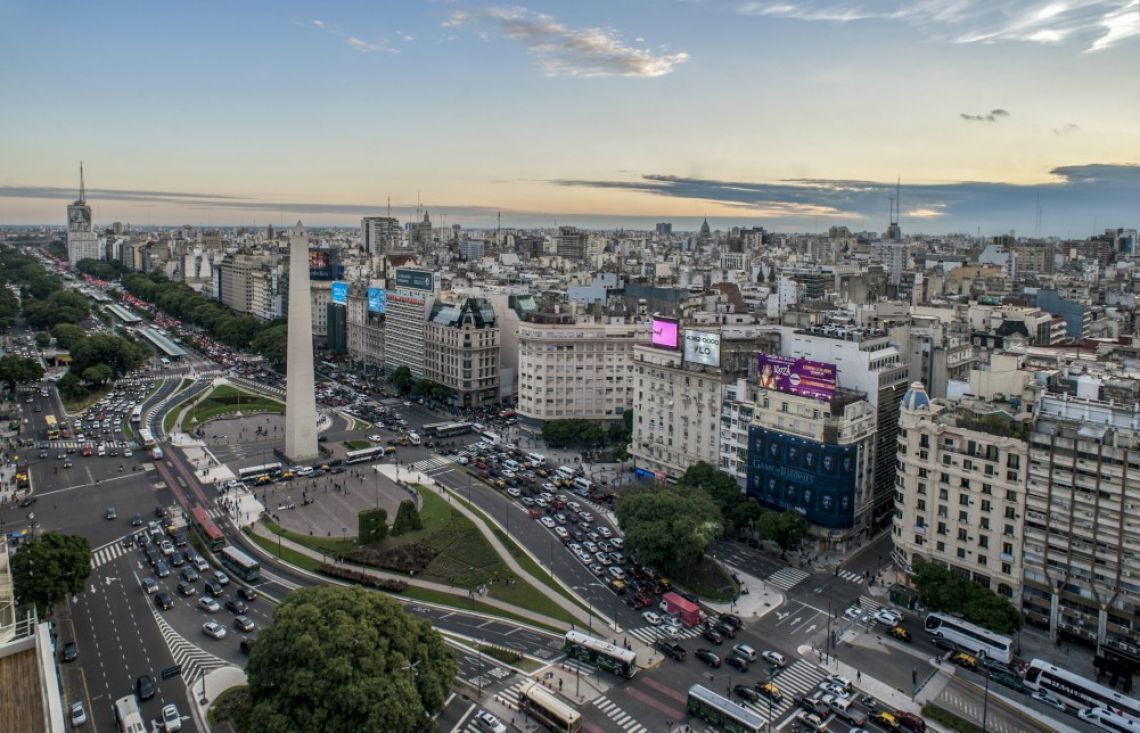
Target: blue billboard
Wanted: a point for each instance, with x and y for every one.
(340, 292)
(815, 479)
(377, 300)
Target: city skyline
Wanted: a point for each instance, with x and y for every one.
(999, 116)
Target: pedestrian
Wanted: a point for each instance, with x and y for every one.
(858, 675)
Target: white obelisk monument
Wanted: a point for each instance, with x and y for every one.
(300, 391)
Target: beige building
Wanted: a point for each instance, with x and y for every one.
(576, 370)
(461, 352)
(250, 283)
(365, 330)
(960, 487)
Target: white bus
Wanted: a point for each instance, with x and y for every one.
(145, 438)
(136, 415)
(255, 471)
(553, 714)
(128, 719)
(600, 653)
(968, 637)
(1108, 720)
(1078, 692)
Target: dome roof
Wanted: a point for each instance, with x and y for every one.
(916, 397)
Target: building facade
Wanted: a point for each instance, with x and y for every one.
(571, 243)
(462, 352)
(365, 331)
(379, 235)
(82, 239)
(409, 305)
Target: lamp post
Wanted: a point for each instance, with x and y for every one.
(772, 686)
(986, 702)
(713, 677)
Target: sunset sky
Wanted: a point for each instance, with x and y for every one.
(789, 114)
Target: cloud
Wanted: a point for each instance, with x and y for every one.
(993, 116)
(405, 37)
(380, 45)
(564, 51)
(1098, 24)
(1067, 128)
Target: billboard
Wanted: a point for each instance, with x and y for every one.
(815, 479)
(702, 347)
(797, 376)
(339, 292)
(415, 279)
(377, 300)
(666, 332)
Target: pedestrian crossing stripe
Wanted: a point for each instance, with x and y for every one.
(510, 695)
(429, 464)
(650, 634)
(869, 603)
(617, 715)
(94, 444)
(107, 553)
(794, 681)
(787, 578)
(850, 576)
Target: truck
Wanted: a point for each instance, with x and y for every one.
(686, 610)
(156, 453)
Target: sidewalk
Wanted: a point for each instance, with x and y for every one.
(203, 694)
(760, 600)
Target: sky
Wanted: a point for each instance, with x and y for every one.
(796, 115)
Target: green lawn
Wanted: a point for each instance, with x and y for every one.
(287, 555)
(710, 581)
(330, 545)
(226, 399)
(357, 444)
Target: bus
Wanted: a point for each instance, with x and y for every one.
(600, 654)
(1078, 692)
(1108, 720)
(726, 715)
(136, 415)
(240, 564)
(52, 427)
(446, 429)
(255, 471)
(550, 712)
(145, 437)
(128, 719)
(365, 454)
(207, 530)
(974, 639)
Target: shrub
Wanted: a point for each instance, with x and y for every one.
(391, 585)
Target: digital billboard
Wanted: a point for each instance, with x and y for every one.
(377, 300)
(797, 376)
(666, 332)
(702, 347)
(815, 479)
(339, 292)
(415, 279)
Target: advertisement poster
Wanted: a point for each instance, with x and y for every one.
(797, 376)
(377, 300)
(815, 479)
(340, 292)
(414, 279)
(702, 347)
(666, 332)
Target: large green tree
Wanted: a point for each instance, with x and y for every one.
(669, 527)
(68, 334)
(120, 353)
(402, 380)
(347, 660)
(51, 568)
(372, 525)
(719, 485)
(941, 589)
(17, 370)
(9, 308)
(271, 343)
(62, 306)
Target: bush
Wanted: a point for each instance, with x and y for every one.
(372, 525)
(503, 654)
(413, 557)
(358, 576)
(407, 519)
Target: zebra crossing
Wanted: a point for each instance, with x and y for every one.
(509, 696)
(850, 576)
(795, 681)
(787, 578)
(621, 718)
(77, 445)
(650, 634)
(194, 661)
(430, 464)
(107, 553)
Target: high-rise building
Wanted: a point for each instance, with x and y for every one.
(571, 243)
(409, 305)
(462, 352)
(300, 387)
(82, 239)
(380, 234)
(365, 328)
(250, 283)
(664, 228)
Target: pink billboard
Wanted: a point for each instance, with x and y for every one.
(797, 376)
(666, 333)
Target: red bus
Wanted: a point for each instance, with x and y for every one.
(208, 531)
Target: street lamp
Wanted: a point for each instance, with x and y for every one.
(986, 701)
(713, 677)
(772, 686)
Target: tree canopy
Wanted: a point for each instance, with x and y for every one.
(119, 353)
(572, 433)
(100, 269)
(407, 518)
(669, 527)
(372, 525)
(9, 308)
(941, 589)
(17, 370)
(61, 306)
(68, 334)
(47, 570)
(347, 660)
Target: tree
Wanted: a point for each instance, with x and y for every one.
(70, 387)
(941, 589)
(402, 380)
(9, 308)
(669, 527)
(719, 485)
(98, 375)
(61, 306)
(51, 568)
(372, 525)
(17, 370)
(271, 342)
(120, 353)
(347, 659)
(407, 518)
(791, 529)
(43, 339)
(67, 335)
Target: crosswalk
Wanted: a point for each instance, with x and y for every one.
(650, 634)
(795, 681)
(65, 444)
(787, 578)
(850, 576)
(193, 659)
(620, 717)
(107, 553)
(509, 696)
(430, 464)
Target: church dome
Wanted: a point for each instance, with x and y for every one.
(916, 397)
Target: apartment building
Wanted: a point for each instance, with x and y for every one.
(1082, 528)
(365, 330)
(576, 370)
(379, 235)
(461, 352)
(250, 283)
(960, 489)
(409, 305)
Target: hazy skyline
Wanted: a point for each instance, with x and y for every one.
(797, 114)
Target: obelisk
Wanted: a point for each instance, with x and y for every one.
(300, 391)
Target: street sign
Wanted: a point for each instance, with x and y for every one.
(172, 671)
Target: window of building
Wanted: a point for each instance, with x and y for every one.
(962, 553)
(962, 534)
(964, 516)
(942, 526)
(1013, 461)
(983, 540)
(941, 546)
(986, 505)
(982, 560)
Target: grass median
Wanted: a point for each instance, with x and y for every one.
(225, 400)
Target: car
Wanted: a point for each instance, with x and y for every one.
(164, 601)
(746, 693)
(673, 630)
(199, 563)
(899, 633)
(597, 569)
(136, 520)
(161, 569)
(171, 718)
(209, 604)
(243, 623)
(68, 464)
(738, 662)
(769, 690)
(246, 646)
(236, 605)
(186, 588)
(731, 619)
(247, 594)
(713, 635)
(188, 574)
(144, 687)
(603, 558)
(489, 723)
(652, 618)
(178, 558)
(213, 587)
(128, 453)
(616, 572)
(1049, 699)
(548, 522)
(221, 577)
(886, 719)
(709, 657)
(214, 630)
(77, 714)
(833, 688)
(671, 649)
(167, 547)
(965, 661)
(150, 585)
(376, 438)
(774, 658)
(888, 617)
(69, 652)
(853, 613)
(844, 683)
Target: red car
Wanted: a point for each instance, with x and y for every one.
(86, 452)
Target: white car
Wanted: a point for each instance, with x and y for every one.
(774, 658)
(604, 531)
(651, 617)
(840, 680)
(548, 522)
(171, 718)
(617, 542)
(888, 617)
(214, 630)
(208, 604)
(853, 613)
(673, 630)
(77, 713)
(513, 493)
(1049, 699)
(833, 688)
(463, 460)
(376, 438)
(489, 723)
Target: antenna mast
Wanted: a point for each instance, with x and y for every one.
(82, 187)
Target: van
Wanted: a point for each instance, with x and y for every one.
(566, 472)
(414, 437)
(584, 484)
(911, 722)
(511, 465)
(536, 459)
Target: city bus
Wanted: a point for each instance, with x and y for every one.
(550, 712)
(365, 454)
(600, 654)
(240, 564)
(136, 415)
(1108, 720)
(207, 530)
(726, 715)
(1078, 692)
(128, 719)
(145, 437)
(52, 427)
(255, 471)
(968, 637)
(446, 429)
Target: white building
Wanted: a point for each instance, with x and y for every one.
(409, 305)
(82, 240)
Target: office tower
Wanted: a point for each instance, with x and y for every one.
(300, 390)
(571, 243)
(409, 305)
(380, 234)
(82, 240)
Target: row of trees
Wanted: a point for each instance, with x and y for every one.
(577, 433)
(941, 589)
(408, 386)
